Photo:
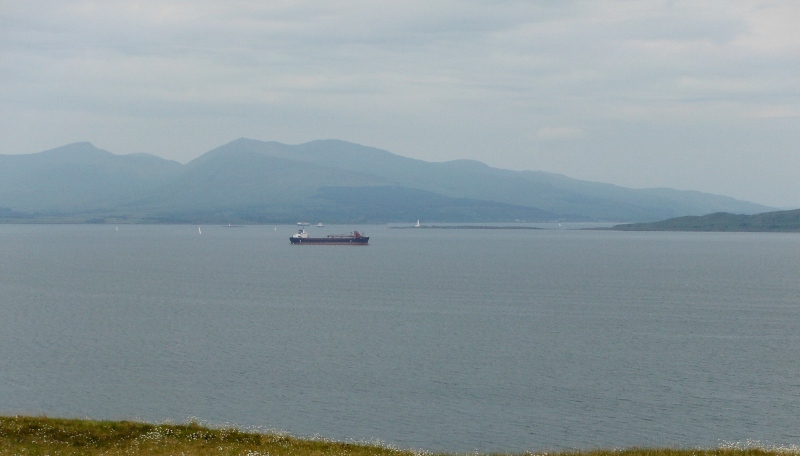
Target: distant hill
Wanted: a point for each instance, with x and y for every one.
(249, 181)
(777, 221)
(554, 193)
(78, 178)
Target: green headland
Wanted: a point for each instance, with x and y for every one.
(776, 221)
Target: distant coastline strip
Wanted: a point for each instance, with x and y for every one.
(465, 227)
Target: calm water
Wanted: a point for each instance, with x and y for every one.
(435, 339)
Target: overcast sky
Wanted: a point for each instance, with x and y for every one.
(689, 95)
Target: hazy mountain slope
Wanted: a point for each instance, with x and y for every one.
(341, 180)
(78, 177)
(471, 179)
(241, 178)
(240, 185)
(398, 204)
(655, 203)
(776, 221)
(330, 180)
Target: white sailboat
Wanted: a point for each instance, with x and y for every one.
(417, 225)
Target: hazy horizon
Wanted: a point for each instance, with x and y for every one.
(658, 94)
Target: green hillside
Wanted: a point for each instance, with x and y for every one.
(21, 435)
(777, 221)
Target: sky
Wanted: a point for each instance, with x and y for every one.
(681, 94)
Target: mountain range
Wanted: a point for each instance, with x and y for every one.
(249, 181)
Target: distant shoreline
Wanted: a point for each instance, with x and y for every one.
(464, 227)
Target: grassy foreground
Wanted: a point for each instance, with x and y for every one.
(53, 436)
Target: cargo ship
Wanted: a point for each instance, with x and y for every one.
(355, 238)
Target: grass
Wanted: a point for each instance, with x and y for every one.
(22, 435)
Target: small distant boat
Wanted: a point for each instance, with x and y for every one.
(302, 223)
(320, 225)
(356, 238)
(417, 225)
(199, 230)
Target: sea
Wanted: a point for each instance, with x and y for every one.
(456, 340)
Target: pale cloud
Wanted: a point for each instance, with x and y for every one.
(557, 133)
(433, 80)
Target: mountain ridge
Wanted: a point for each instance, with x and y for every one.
(255, 181)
